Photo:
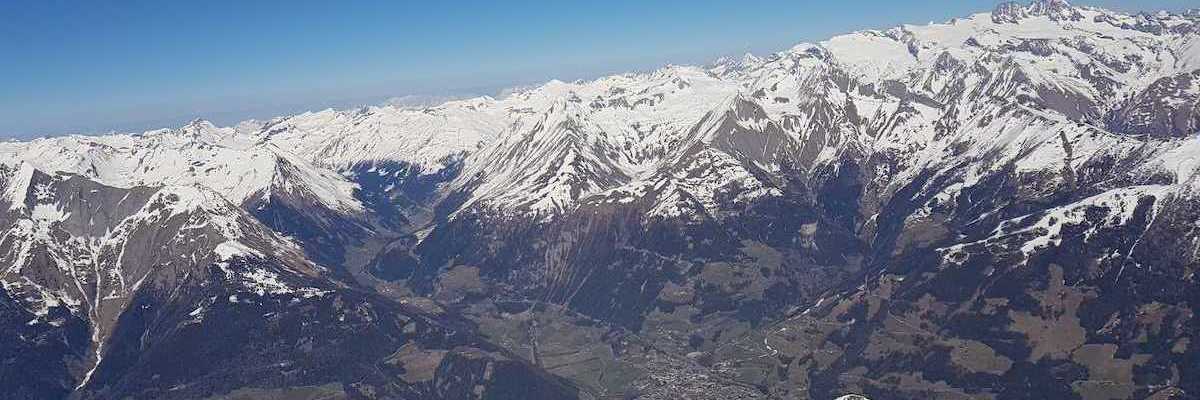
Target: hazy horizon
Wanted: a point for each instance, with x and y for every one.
(96, 68)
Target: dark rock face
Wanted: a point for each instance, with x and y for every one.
(289, 207)
(394, 189)
(366, 346)
(37, 361)
(1168, 109)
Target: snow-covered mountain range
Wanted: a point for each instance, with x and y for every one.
(810, 186)
(551, 147)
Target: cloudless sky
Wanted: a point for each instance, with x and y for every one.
(94, 66)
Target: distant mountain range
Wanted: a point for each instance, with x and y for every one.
(1002, 206)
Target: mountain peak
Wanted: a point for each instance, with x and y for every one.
(1009, 11)
(1056, 10)
(199, 124)
(735, 64)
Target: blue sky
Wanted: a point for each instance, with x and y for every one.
(95, 66)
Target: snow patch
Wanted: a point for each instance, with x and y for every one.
(17, 186)
(231, 248)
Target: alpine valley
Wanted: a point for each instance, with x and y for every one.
(1002, 206)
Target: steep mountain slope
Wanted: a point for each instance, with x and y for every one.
(106, 289)
(290, 194)
(1000, 206)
